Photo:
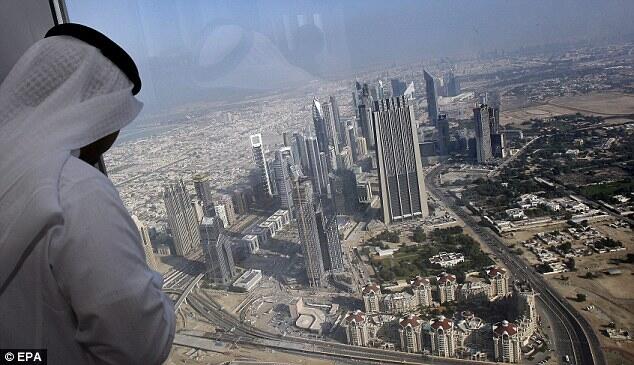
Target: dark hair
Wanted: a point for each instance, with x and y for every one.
(108, 48)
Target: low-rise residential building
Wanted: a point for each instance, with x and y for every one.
(248, 280)
(447, 259)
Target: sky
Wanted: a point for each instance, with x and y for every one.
(188, 48)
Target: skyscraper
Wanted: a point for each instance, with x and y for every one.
(398, 87)
(343, 187)
(329, 237)
(483, 134)
(282, 165)
(317, 169)
(325, 126)
(451, 84)
(203, 192)
(264, 183)
(403, 193)
(442, 131)
(365, 117)
(217, 250)
(181, 218)
(150, 258)
(308, 234)
(430, 89)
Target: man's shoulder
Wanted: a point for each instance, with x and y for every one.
(79, 177)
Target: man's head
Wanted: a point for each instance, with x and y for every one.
(93, 151)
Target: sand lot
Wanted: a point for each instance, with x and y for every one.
(600, 104)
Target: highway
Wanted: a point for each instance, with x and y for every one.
(573, 334)
(241, 333)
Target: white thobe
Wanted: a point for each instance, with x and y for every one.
(86, 293)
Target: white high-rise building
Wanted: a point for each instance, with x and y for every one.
(410, 334)
(507, 343)
(421, 287)
(357, 328)
(442, 337)
(150, 258)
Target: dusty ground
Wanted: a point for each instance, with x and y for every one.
(600, 104)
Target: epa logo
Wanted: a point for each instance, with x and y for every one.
(23, 357)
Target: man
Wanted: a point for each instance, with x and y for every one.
(73, 277)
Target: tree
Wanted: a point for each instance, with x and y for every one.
(581, 297)
(419, 234)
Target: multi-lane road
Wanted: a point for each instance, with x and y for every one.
(573, 334)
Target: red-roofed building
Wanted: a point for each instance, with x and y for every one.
(507, 342)
(421, 287)
(357, 328)
(446, 287)
(499, 280)
(372, 298)
(442, 337)
(410, 333)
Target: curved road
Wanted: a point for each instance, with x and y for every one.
(573, 334)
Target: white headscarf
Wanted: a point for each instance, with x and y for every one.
(61, 95)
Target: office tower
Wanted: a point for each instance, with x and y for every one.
(507, 343)
(242, 199)
(316, 168)
(483, 134)
(300, 153)
(446, 285)
(282, 167)
(332, 156)
(221, 213)
(410, 334)
(343, 187)
(198, 209)
(329, 237)
(345, 159)
(203, 192)
(442, 129)
(150, 258)
(230, 211)
(308, 234)
(398, 87)
(346, 125)
(421, 287)
(410, 91)
(181, 218)
(365, 117)
(356, 97)
(362, 148)
(325, 126)
(451, 84)
(442, 337)
(338, 123)
(357, 329)
(497, 145)
(264, 182)
(286, 138)
(494, 119)
(217, 250)
(403, 193)
(432, 104)
(371, 298)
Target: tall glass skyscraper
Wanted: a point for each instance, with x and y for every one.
(431, 90)
(217, 249)
(483, 134)
(181, 218)
(203, 192)
(264, 182)
(308, 233)
(403, 193)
